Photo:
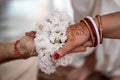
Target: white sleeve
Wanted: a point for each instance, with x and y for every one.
(82, 8)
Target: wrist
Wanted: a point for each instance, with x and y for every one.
(87, 31)
(96, 21)
(19, 50)
(95, 29)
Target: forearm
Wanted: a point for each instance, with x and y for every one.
(111, 25)
(7, 51)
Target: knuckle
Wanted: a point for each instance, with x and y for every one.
(62, 51)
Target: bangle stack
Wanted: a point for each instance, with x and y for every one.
(95, 32)
(17, 52)
(100, 27)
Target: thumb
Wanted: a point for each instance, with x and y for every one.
(65, 49)
(30, 34)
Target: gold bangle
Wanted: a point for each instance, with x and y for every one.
(91, 34)
(100, 27)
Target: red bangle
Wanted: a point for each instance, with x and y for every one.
(93, 30)
(17, 52)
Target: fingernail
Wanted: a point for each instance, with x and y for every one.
(56, 56)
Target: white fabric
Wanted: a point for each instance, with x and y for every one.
(83, 8)
(19, 69)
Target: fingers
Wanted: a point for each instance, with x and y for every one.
(69, 47)
(83, 47)
(87, 44)
(79, 49)
(34, 53)
(66, 48)
(31, 34)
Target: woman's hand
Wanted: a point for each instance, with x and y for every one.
(77, 40)
(26, 44)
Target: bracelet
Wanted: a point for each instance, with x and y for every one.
(93, 31)
(100, 27)
(96, 29)
(89, 29)
(17, 52)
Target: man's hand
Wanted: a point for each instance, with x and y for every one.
(26, 44)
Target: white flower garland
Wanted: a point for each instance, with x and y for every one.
(51, 35)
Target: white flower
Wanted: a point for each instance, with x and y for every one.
(50, 36)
